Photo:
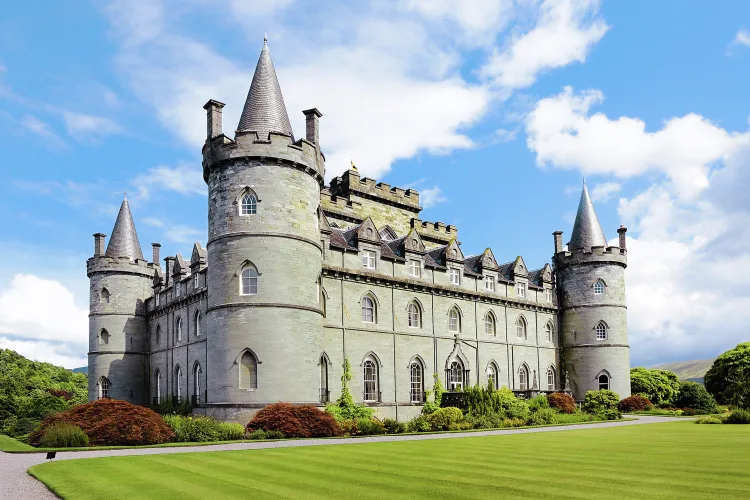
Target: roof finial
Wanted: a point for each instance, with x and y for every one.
(353, 166)
(125, 195)
(265, 38)
(584, 180)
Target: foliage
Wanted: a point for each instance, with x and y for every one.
(30, 391)
(659, 386)
(167, 407)
(562, 402)
(537, 403)
(484, 421)
(261, 434)
(345, 408)
(694, 395)
(64, 435)
(574, 418)
(442, 419)
(393, 427)
(437, 389)
(728, 379)
(419, 424)
(300, 421)
(370, 426)
(596, 402)
(543, 416)
(203, 429)
(486, 401)
(111, 422)
(608, 414)
(738, 416)
(709, 419)
(514, 422)
(635, 402)
(429, 408)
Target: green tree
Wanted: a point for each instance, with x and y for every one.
(659, 386)
(694, 395)
(728, 379)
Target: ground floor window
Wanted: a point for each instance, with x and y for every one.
(603, 382)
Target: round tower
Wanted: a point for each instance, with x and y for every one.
(264, 320)
(120, 281)
(591, 286)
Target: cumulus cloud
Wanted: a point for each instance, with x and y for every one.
(430, 197)
(602, 192)
(60, 354)
(88, 128)
(742, 38)
(183, 179)
(177, 233)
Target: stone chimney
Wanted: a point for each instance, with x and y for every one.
(168, 271)
(621, 231)
(213, 119)
(155, 255)
(99, 244)
(558, 242)
(312, 125)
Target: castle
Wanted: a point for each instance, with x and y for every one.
(297, 277)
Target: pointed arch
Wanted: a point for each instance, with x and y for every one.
(371, 378)
(522, 329)
(493, 374)
(324, 363)
(105, 296)
(248, 370)
(103, 337)
(178, 330)
(414, 313)
(157, 385)
(490, 324)
(600, 287)
(373, 356)
(523, 377)
(248, 278)
(103, 387)
(197, 374)
(369, 303)
(198, 323)
(454, 319)
(603, 379)
(247, 202)
(551, 378)
(177, 384)
(549, 331)
(416, 379)
(602, 330)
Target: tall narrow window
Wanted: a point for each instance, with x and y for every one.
(197, 382)
(492, 377)
(550, 379)
(178, 384)
(456, 376)
(249, 205)
(195, 281)
(548, 294)
(248, 371)
(157, 337)
(523, 378)
(521, 289)
(455, 276)
(489, 283)
(415, 268)
(105, 296)
(416, 382)
(414, 315)
(489, 324)
(599, 287)
(249, 281)
(521, 331)
(368, 310)
(548, 332)
(104, 337)
(103, 388)
(178, 330)
(370, 372)
(156, 298)
(157, 385)
(368, 259)
(603, 382)
(324, 393)
(454, 320)
(601, 331)
(177, 287)
(197, 323)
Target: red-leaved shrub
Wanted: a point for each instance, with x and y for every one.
(564, 403)
(635, 403)
(60, 393)
(300, 421)
(111, 422)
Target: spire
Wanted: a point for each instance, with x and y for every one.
(587, 232)
(124, 240)
(264, 110)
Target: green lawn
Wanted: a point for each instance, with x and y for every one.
(667, 460)
(8, 443)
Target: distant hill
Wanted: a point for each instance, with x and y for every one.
(83, 369)
(689, 369)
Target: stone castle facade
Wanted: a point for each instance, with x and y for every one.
(297, 277)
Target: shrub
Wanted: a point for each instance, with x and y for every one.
(659, 386)
(275, 435)
(300, 421)
(64, 436)
(348, 427)
(203, 429)
(487, 401)
(537, 403)
(111, 422)
(484, 421)
(573, 418)
(256, 434)
(460, 426)
(514, 422)
(543, 416)
(608, 414)
(694, 395)
(444, 417)
(419, 424)
(429, 408)
(393, 427)
(345, 408)
(599, 401)
(563, 403)
(370, 427)
(728, 379)
(738, 416)
(635, 403)
(709, 419)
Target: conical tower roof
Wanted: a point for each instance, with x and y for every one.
(124, 240)
(587, 231)
(264, 110)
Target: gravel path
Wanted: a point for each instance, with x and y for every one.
(16, 484)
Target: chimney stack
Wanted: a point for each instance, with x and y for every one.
(155, 255)
(558, 242)
(99, 244)
(621, 231)
(168, 270)
(213, 118)
(312, 126)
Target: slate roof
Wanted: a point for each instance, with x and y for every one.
(535, 279)
(587, 231)
(506, 271)
(124, 241)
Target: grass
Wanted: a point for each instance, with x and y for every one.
(8, 443)
(656, 461)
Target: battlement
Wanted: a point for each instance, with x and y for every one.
(598, 254)
(122, 265)
(435, 230)
(350, 183)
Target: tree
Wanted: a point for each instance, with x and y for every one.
(728, 379)
(659, 386)
(694, 395)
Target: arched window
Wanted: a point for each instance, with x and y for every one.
(489, 324)
(599, 287)
(548, 332)
(104, 388)
(416, 382)
(103, 337)
(197, 382)
(601, 331)
(551, 378)
(521, 332)
(492, 377)
(157, 384)
(325, 395)
(178, 330)
(249, 205)
(523, 378)
(323, 302)
(454, 320)
(249, 281)
(370, 391)
(157, 337)
(603, 381)
(197, 323)
(368, 310)
(105, 296)
(248, 371)
(415, 315)
(456, 376)
(177, 393)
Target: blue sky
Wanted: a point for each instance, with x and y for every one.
(493, 109)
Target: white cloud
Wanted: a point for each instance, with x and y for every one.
(44, 131)
(478, 20)
(742, 38)
(503, 135)
(563, 134)
(429, 197)
(58, 354)
(565, 33)
(183, 234)
(602, 192)
(182, 179)
(88, 128)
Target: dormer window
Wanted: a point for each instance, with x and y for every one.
(195, 281)
(489, 283)
(368, 259)
(521, 290)
(455, 277)
(415, 269)
(176, 289)
(548, 294)
(249, 205)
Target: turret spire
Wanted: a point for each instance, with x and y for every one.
(587, 231)
(264, 110)
(124, 240)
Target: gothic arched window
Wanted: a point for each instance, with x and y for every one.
(521, 331)
(197, 382)
(489, 324)
(523, 378)
(492, 376)
(548, 332)
(415, 316)
(104, 388)
(601, 331)
(105, 296)
(416, 382)
(249, 205)
(178, 330)
(368, 310)
(599, 287)
(249, 281)
(454, 320)
(157, 384)
(177, 388)
(551, 378)
(248, 371)
(603, 381)
(103, 337)
(456, 375)
(370, 391)
(197, 323)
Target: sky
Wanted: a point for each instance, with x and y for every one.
(494, 110)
